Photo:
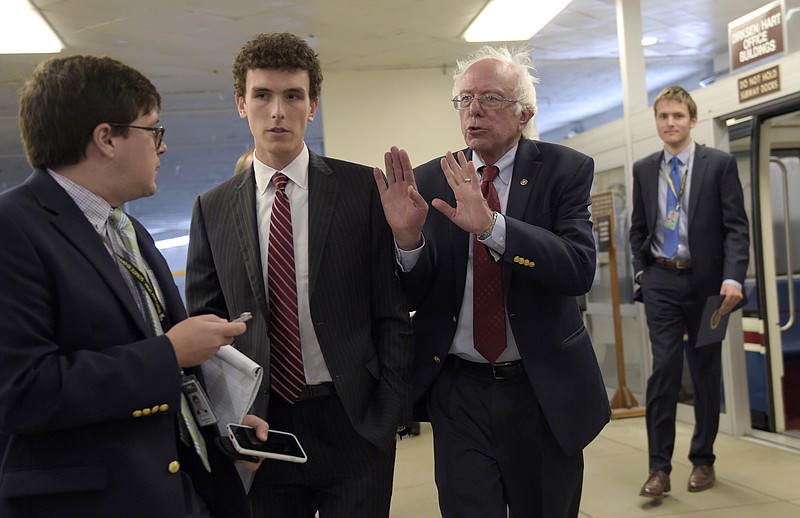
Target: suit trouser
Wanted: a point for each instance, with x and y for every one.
(494, 451)
(346, 476)
(672, 305)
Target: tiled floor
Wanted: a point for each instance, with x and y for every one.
(753, 479)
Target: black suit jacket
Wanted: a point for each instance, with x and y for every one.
(357, 306)
(77, 360)
(718, 229)
(548, 224)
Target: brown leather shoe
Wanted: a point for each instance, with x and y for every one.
(657, 484)
(702, 478)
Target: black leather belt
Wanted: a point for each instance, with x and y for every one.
(317, 391)
(492, 371)
(674, 263)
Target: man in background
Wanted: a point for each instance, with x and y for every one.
(94, 337)
(503, 366)
(689, 238)
(300, 241)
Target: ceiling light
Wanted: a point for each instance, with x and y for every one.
(649, 40)
(513, 20)
(24, 31)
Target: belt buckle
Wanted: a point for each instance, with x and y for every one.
(495, 374)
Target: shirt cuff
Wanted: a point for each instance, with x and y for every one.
(407, 259)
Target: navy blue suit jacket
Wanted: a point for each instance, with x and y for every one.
(547, 223)
(718, 229)
(77, 361)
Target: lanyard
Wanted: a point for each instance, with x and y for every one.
(679, 195)
(140, 277)
(145, 282)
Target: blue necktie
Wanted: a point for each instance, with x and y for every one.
(671, 234)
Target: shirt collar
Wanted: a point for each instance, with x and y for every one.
(505, 164)
(683, 156)
(296, 171)
(96, 209)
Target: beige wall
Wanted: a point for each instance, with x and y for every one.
(365, 113)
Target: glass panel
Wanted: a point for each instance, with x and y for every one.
(599, 311)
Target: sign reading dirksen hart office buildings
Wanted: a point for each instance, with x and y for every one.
(756, 36)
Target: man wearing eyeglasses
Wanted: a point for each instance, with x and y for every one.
(93, 335)
(503, 366)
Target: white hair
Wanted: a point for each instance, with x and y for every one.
(519, 60)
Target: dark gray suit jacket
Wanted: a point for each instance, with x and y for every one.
(718, 229)
(357, 306)
(547, 223)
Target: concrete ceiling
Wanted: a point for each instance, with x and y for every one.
(187, 47)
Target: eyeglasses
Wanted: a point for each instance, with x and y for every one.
(487, 101)
(158, 131)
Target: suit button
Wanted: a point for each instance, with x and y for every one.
(437, 360)
(137, 413)
(455, 320)
(145, 411)
(155, 409)
(174, 466)
(517, 259)
(164, 407)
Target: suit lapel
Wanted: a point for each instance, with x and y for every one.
(526, 176)
(246, 226)
(698, 176)
(68, 219)
(323, 196)
(173, 304)
(652, 170)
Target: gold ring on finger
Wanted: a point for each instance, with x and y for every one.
(467, 180)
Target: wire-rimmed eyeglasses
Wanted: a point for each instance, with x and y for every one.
(158, 131)
(487, 101)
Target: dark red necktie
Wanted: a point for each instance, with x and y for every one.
(489, 315)
(286, 367)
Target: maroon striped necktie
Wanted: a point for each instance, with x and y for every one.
(489, 314)
(286, 359)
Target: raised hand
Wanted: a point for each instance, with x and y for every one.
(471, 212)
(404, 207)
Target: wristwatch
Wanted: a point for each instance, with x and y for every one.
(488, 232)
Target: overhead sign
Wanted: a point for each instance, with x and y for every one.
(756, 36)
(761, 83)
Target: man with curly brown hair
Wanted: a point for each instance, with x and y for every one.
(327, 304)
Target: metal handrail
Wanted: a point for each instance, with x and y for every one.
(787, 235)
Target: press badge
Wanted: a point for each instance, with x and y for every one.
(672, 219)
(198, 401)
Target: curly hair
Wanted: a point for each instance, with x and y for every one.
(277, 50)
